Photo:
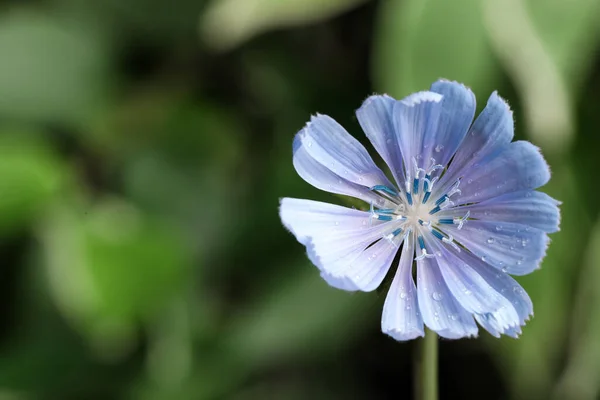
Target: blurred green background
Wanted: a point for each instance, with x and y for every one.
(144, 146)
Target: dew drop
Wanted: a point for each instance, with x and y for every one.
(490, 240)
(402, 295)
(483, 258)
(439, 148)
(468, 292)
(309, 144)
(504, 269)
(336, 223)
(498, 228)
(388, 141)
(408, 306)
(519, 262)
(453, 317)
(470, 181)
(437, 296)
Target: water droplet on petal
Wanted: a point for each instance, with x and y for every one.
(504, 269)
(453, 317)
(490, 240)
(408, 306)
(437, 296)
(468, 292)
(498, 228)
(483, 258)
(439, 148)
(402, 295)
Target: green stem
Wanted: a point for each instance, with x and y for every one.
(426, 367)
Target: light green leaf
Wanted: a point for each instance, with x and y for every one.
(300, 313)
(418, 42)
(110, 267)
(569, 31)
(49, 69)
(30, 176)
(580, 377)
(227, 23)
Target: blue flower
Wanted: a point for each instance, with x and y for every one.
(463, 207)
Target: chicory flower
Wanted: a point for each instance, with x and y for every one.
(461, 209)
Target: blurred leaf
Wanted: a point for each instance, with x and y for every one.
(111, 267)
(227, 23)
(30, 176)
(300, 313)
(534, 70)
(418, 42)
(580, 377)
(569, 32)
(49, 69)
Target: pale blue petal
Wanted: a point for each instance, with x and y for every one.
(507, 287)
(365, 272)
(471, 290)
(330, 145)
(323, 178)
(375, 118)
(440, 310)
(336, 238)
(458, 110)
(308, 218)
(510, 247)
(401, 318)
(520, 166)
(415, 116)
(526, 207)
(490, 133)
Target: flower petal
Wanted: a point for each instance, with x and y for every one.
(308, 218)
(520, 166)
(323, 178)
(517, 307)
(331, 146)
(526, 207)
(510, 247)
(490, 133)
(458, 110)
(468, 287)
(441, 312)
(414, 117)
(401, 318)
(366, 271)
(375, 118)
(336, 239)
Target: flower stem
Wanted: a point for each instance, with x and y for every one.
(426, 367)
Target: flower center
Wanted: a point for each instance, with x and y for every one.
(415, 211)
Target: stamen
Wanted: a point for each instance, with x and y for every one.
(428, 186)
(450, 241)
(416, 178)
(445, 204)
(453, 189)
(424, 253)
(460, 221)
(434, 166)
(385, 189)
(390, 237)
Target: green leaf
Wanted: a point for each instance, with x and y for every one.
(300, 313)
(580, 377)
(569, 32)
(228, 23)
(49, 69)
(418, 42)
(111, 266)
(31, 175)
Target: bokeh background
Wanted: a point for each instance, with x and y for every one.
(144, 146)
